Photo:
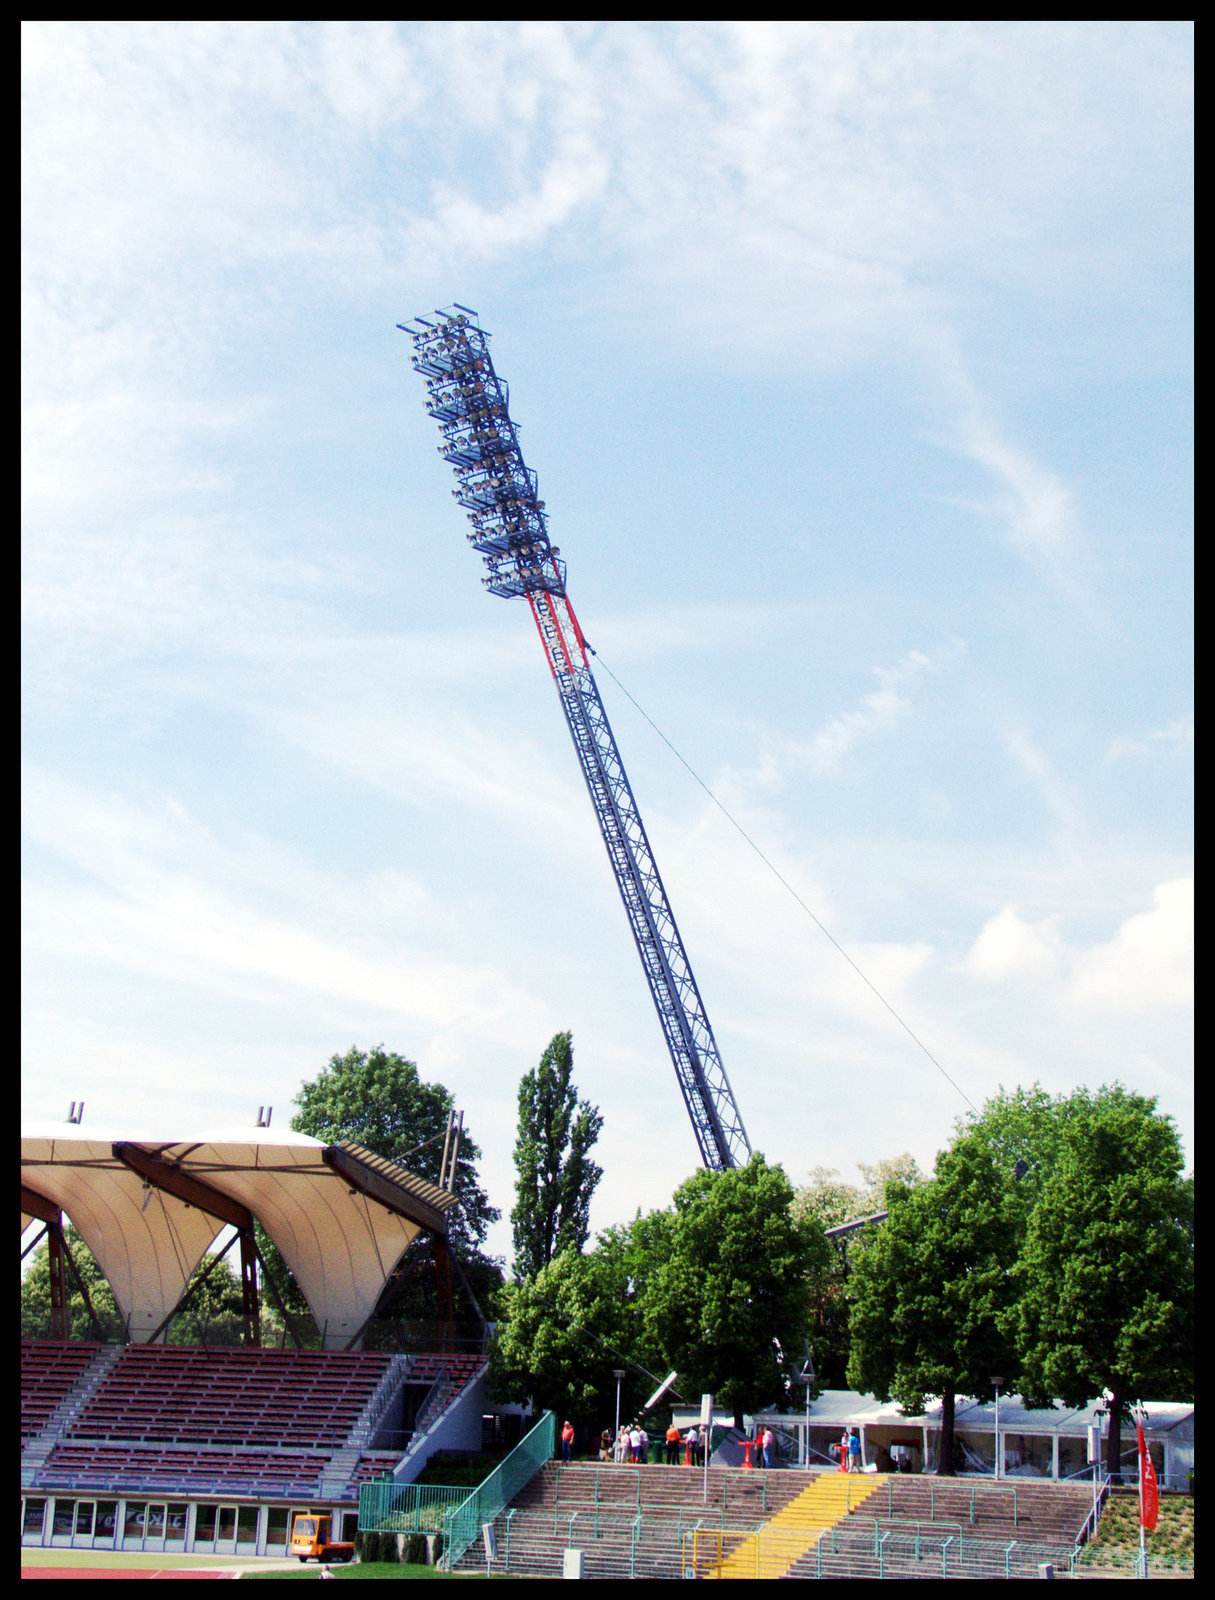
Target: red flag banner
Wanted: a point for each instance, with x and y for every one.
(1149, 1493)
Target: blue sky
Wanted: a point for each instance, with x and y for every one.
(854, 362)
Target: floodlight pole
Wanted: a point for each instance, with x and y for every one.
(510, 532)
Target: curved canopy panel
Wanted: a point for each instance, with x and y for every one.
(145, 1241)
(340, 1216)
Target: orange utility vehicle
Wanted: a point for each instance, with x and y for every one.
(310, 1537)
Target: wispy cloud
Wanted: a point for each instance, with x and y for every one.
(878, 711)
(1056, 793)
(1178, 735)
(156, 893)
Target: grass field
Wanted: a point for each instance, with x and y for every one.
(250, 1566)
(1170, 1547)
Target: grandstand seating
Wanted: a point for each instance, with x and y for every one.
(143, 1468)
(635, 1522)
(204, 1421)
(234, 1396)
(962, 1528)
(371, 1466)
(596, 1509)
(49, 1371)
(429, 1366)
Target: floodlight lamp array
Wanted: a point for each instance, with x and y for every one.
(497, 490)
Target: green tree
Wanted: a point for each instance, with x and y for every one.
(1023, 1130)
(579, 1319)
(1105, 1281)
(932, 1287)
(728, 1303)
(555, 1175)
(829, 1200)
(377, 1099)
(105, 1321)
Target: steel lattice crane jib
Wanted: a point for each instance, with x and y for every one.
(500, 495)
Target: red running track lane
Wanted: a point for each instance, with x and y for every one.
(128, 1572)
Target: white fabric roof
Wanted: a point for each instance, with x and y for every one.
(839, 1408)
(340, 1231)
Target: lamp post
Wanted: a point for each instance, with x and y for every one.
(996, 1465)
(806, 1375)
(618, 1374)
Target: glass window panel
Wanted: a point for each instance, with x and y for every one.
(64, 1515)
(1073, 1456)
(204, 1523)
(175, 1525)
(974, 1452)
(246, 1524)
(105, 1521)
(1027, 1455)
(227, 1523)
(132, 1527)
(34, 1517)
(84, 1519)
(276, 1527)
(156, 1522)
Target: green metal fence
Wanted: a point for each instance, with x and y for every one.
(462, 1524)
(388, 1507)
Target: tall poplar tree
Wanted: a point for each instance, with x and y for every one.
(555, 1175)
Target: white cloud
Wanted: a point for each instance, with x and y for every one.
(1008, 946)
(1150, 961)
(1147, 965)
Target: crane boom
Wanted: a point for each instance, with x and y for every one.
(510, 531)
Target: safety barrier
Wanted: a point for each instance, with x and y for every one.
(487, 1502)
(950, 1493)
(388, 1507)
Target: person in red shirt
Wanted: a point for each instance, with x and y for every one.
(567, 1441)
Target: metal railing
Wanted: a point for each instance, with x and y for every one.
(388, 1507)
(951, 1492)
(490, 1499)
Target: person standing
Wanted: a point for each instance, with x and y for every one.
(672, 1445)
(567, 1441)
(693, 1443)
(854, 1451)
(767, 1444)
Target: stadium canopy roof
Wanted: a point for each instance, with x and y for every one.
(149, 1209)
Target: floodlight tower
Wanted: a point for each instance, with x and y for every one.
(500, 494)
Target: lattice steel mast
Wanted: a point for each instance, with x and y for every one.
(469, 401)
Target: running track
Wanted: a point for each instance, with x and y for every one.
(71, 1573)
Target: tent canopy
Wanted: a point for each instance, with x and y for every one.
(149, 1209)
